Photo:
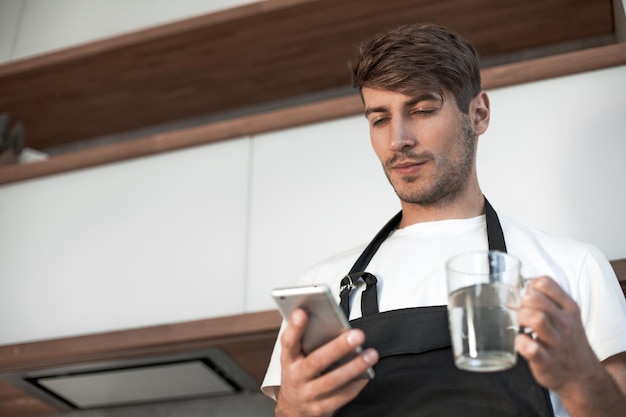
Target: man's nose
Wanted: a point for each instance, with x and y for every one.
(402, 136)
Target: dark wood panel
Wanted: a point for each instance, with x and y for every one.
(182, 138)
(16, 403)
(496, 77)
(255, 54)
(554, 66)
(136, 342)
(254, 356)
(247, 338)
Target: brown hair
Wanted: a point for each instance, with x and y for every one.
(419, 57)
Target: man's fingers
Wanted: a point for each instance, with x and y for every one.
(326, 356)
(306, 387)
(530, 349)
(346, 394)
(539, 323)
(553, 291)
(333, 400)
(548, 311)
(292, 334)
(347, 378)
(538, 313)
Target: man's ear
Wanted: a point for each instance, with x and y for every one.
(479, 113)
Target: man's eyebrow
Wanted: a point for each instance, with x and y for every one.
(423, 97)
(371, 110)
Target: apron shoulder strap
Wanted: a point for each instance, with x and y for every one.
(373, 246)
(369, 301)
(495, 235)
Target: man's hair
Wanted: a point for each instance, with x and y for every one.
(416, 58)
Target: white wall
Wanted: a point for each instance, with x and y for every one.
(209, 231)
(9, 22)
(154, 240)
(555, 156)
(316, 190)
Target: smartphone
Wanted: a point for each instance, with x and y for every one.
(325, 319)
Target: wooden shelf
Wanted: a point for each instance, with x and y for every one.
(266, 54)
(349, 105)
(251, 329)
(246, 338)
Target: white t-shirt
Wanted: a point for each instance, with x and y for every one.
(410, 268)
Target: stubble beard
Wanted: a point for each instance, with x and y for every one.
(452, 173)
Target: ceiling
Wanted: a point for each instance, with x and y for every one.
(271, 53)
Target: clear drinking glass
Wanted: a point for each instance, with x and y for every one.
(484, 291)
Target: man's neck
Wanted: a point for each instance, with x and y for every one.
(465, 207)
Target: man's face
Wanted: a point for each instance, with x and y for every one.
(426, 144)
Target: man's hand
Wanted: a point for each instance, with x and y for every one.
(559, 354)
(304, 390)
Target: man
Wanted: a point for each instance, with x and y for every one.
(420, 85)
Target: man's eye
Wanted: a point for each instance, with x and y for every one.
(379, 121)
(422, 112)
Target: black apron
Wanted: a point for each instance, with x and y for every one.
(416, 375)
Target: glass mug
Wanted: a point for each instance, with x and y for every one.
(484, 293)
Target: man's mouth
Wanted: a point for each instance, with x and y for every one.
(407, 168)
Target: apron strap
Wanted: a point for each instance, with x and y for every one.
(495, 235)
(373, 246)
(369, 298)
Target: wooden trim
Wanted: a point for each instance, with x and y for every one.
(555, 66)
(183, 138)
(230, 330)
(160, 32)
(259, 54)
(16, 403)
(496, 77)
